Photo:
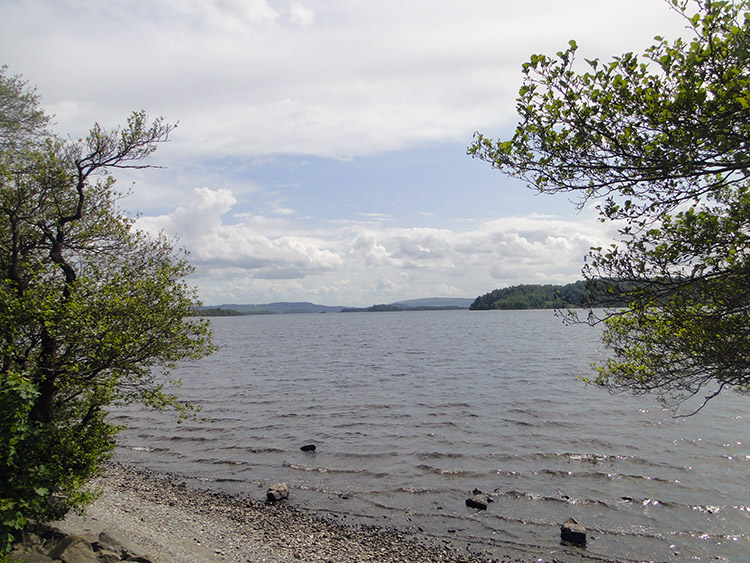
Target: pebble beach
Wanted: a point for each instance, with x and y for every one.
(177, 523)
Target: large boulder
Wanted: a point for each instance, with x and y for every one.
(114, 542)
(29, 557)
(74, 549)
(45, 544)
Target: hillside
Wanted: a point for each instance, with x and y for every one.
(531, 296)
(282, 307)
(578, 294)
(285, 307)
(435, 302)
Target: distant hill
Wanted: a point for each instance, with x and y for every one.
(219, 312)
(600, 293)
(532, 296)
(427, 304)
(281, 308)
(458, 302)
(285, 307)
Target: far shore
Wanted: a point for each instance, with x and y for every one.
(176, 523)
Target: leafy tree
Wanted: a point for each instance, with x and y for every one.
(519, 297)
(92, 311)
(21, 119)
(217, 312)
(662, 143)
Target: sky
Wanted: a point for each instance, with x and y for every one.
(320, 148)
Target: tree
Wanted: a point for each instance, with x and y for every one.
(662, 143)
(21, 119)
(575, 295)
(92, 311)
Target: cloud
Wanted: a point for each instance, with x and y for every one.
(203, 215)
(363, 263)
(214, 244)
(300, 15)
(251, 77)
(264, 90)
(367, 248)
(226, 16)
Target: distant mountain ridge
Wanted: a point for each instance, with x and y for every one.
(461, 302)
(287, 307)
(282, 308)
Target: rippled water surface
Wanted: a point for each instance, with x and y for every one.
(412, 411)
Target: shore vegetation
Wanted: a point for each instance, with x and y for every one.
(92, 310)
(659, 143)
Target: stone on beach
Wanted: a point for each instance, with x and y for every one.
(573, 533)
(479, 500)
(277, 492)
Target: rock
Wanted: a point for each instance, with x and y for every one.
(277, 492)
(29, 557)
(73, 549)
(107, 556)
(33, 541)
(573, 533)
(479, 501)
(308, 448)
(111, 540)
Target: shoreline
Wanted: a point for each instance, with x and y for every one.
(177, 523)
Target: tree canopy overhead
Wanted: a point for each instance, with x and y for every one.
(661, 143)
(658, 131)
(92, 311)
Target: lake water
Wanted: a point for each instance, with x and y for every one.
(412, 411)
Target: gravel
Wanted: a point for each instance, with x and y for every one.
(176, 523)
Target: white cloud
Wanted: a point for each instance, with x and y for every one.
(366, 77)
(360, 264)
(203, 215)
(284, 211)
(367, 248)
(249, 80)
(214, 244)
(225, 16)
(300, 15)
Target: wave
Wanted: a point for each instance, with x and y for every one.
(541, 498)
(416, 490)
(147, 449)
(214, 461)
(439, 455)
(372, 455)
(584, 458)
(602, 476)
(188, 439)
(321, 469)
(251, 449)
(452, 472)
